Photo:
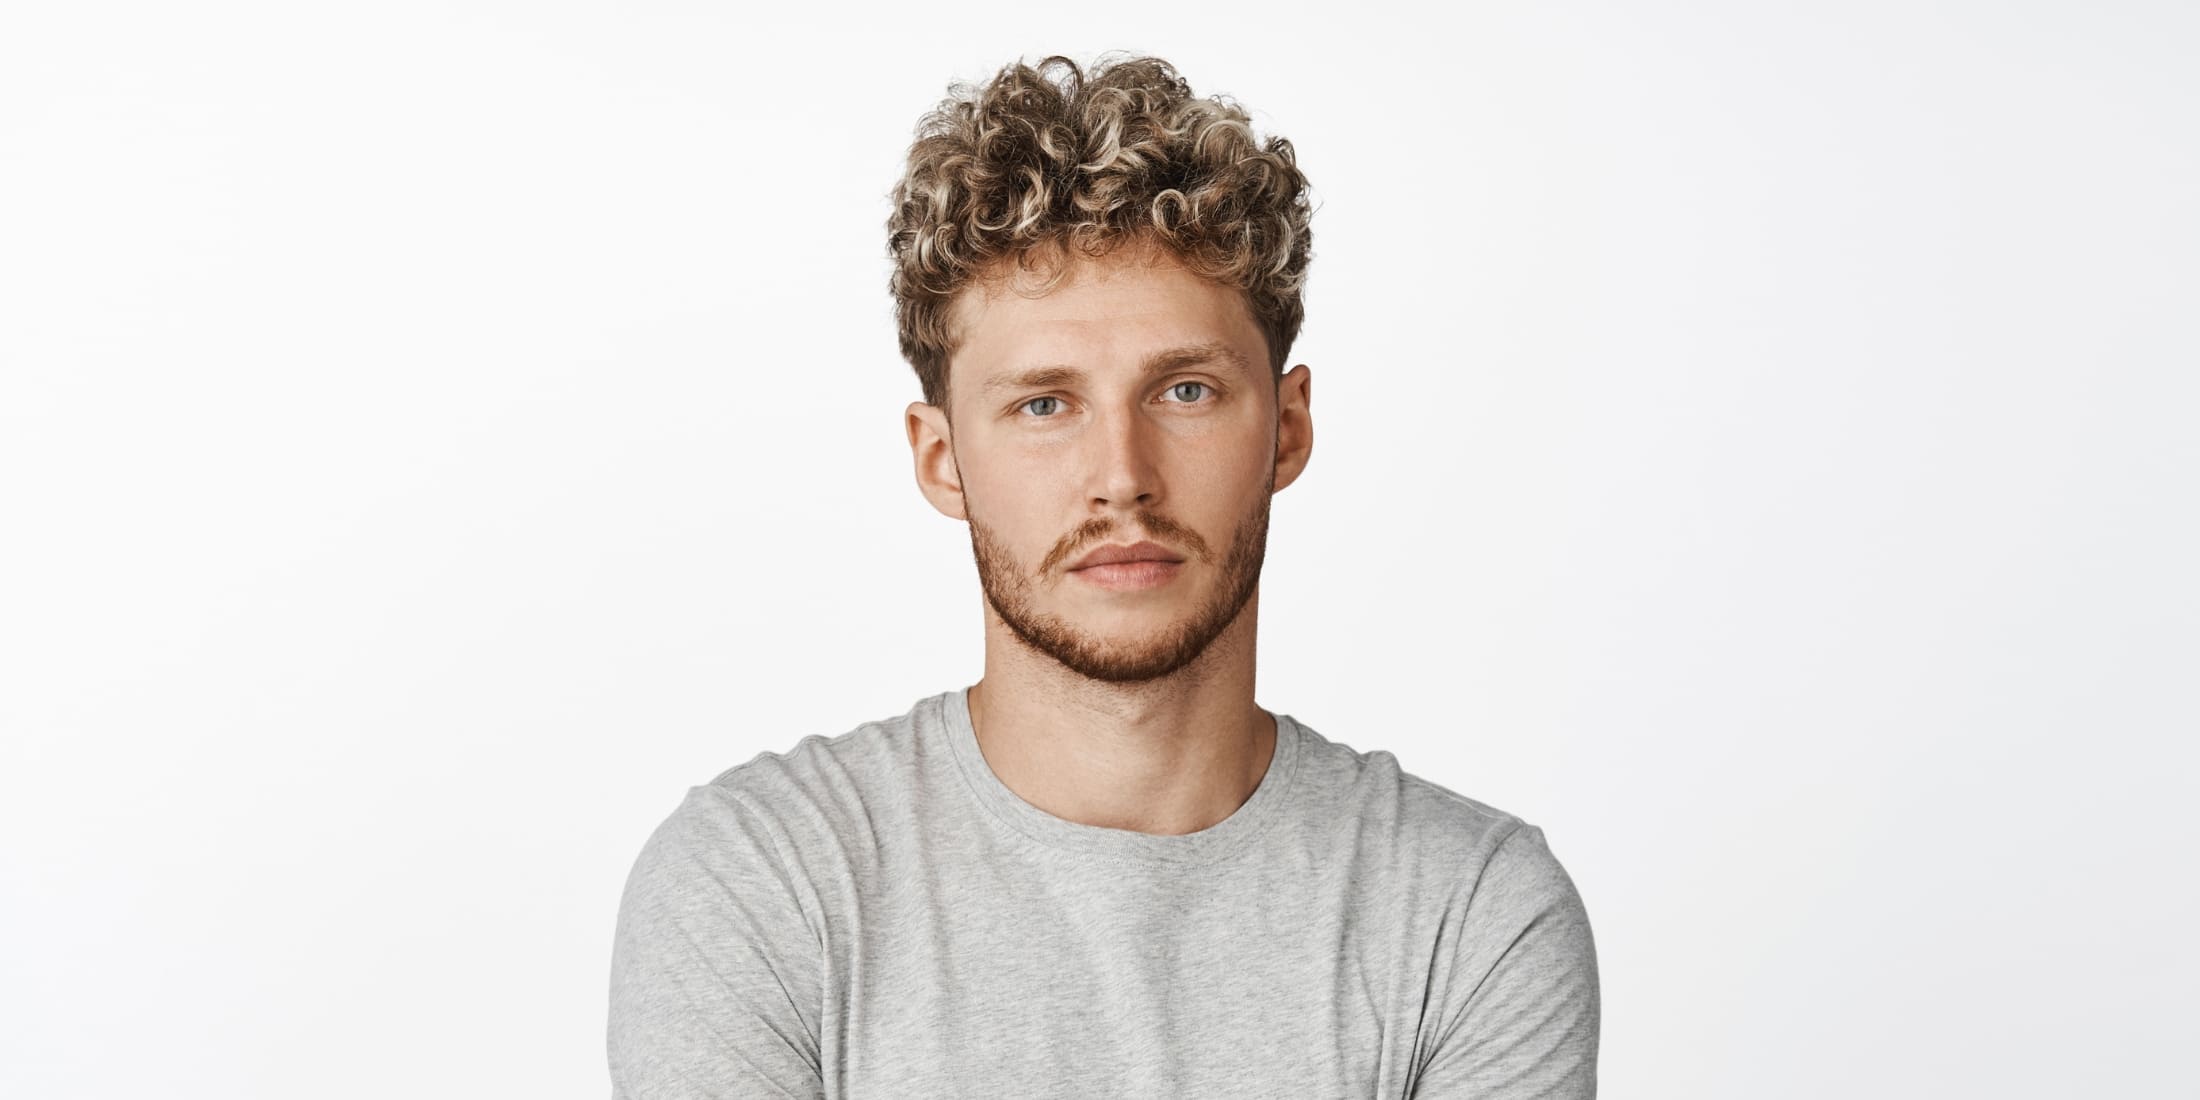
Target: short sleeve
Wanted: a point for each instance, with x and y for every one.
(715, 973)
(1521, 1016)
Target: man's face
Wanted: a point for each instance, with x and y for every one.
(1132, 403)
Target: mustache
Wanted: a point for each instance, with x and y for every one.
(1157, 527)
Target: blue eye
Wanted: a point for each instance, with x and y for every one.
(1198, 391)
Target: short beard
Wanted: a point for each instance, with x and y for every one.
(1008, 591)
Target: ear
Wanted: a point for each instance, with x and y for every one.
(1294, 423)
(932, 446)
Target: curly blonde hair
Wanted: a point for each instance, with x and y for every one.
(1045, 158)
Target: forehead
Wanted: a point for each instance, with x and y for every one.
(1105, 314)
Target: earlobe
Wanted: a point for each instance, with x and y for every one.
(932, 450)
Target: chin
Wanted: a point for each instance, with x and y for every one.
(1129, 611)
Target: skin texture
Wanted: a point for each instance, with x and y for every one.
(1119, 709)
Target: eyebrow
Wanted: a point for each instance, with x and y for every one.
(1160, 362)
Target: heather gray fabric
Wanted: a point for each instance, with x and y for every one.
(875, 915)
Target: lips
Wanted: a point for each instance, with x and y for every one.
(1137, 551)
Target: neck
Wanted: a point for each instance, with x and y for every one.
(1168, 756)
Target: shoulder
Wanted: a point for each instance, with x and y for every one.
(1469, 843)
(1505, 863)
(772, 827)
(1374, 789)
(793, 803)
(814, 770)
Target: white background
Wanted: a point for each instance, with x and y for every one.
(1755, 442)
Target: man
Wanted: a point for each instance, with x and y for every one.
(1102, 870)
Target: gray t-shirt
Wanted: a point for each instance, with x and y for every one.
(876, 915)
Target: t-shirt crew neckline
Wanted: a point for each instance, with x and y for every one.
(1204, 846)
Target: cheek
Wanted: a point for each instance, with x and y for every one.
(1223, 465)
(1215, 501)
(1015, 499)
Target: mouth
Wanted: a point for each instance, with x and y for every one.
(1142, 551)
(1130, 576)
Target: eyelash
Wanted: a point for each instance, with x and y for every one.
(1207, 390)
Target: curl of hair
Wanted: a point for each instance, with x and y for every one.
(1046, 158)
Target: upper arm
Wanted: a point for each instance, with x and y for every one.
(1522, 1010)
(715, 974)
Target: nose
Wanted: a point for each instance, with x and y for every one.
(1125, 471)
